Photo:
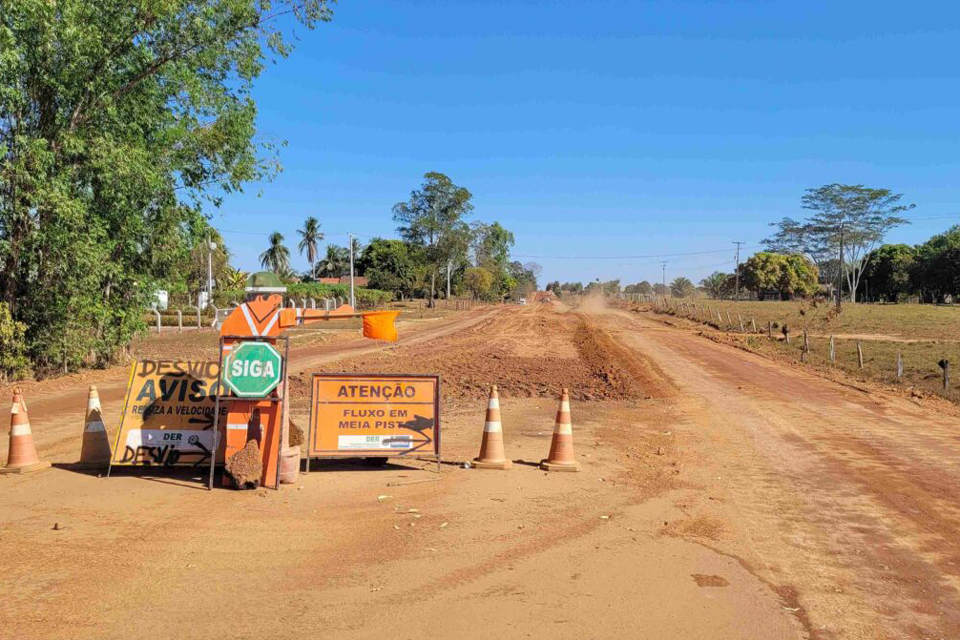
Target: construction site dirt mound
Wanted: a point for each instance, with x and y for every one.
(530, 352)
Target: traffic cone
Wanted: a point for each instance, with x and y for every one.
(561, 456)
(491, 448)
(95, 450)
(22, 456)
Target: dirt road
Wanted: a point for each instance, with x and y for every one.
(722, 496)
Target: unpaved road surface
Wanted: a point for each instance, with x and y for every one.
(722, 496)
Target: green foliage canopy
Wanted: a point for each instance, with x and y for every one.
(117, 121)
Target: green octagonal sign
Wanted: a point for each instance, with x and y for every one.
(253, 369)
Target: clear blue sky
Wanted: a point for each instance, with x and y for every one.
(609, 128)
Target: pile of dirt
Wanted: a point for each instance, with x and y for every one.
(504, 352)
(244, 467)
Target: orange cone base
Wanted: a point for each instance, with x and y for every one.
(546, 465)
(487, 464)
(37, 466)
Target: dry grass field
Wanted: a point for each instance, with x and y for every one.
(923, 334)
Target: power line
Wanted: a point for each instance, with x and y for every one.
(636, 257)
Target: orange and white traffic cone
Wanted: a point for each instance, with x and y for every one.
(22, 456)
(561, 456)
(491, 448)
(95, 449)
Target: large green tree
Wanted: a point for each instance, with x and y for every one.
(936, 272)
(118, 121)
(788, 274)
(887, 272)
(846, 223)
(392, 265)
(433, 218)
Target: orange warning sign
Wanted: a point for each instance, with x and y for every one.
(168, 414)
(374, 415)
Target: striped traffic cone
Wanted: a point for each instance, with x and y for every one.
(22, 456)
(491, 447)
(95, 449)
(561, 456)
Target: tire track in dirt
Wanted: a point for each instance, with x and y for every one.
(846, 497)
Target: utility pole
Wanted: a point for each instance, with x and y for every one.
(736, 291)
(210, 247)
(663, 267)
(353, 301)
(449, 267)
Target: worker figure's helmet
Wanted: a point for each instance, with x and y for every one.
(265, 285)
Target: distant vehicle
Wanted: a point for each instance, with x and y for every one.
(522, 301)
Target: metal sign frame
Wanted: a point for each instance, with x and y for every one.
(379, 453)
(284, 406)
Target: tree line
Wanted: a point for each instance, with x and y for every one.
(440, 253)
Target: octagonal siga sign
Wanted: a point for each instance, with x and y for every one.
(253, 369)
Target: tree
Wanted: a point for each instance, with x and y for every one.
(118, 121)
(479, 282)
(644, 288)
(310, 235)
(790, 275)
(572, 287)
(391, 265)
(660, 289)
(491, 243)
(936, 271)
(681, 287)
(335, 263)
(277, 257)
(887, 272)
(848, 221)
(433, 218)
(718, 285)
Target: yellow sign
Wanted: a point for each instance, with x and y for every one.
(168, 414)
(374, 415)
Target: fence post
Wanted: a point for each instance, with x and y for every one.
(157, 313)
(179, 321)
(740, 319)
(770, 329)
(945, 365)
(859, 354)
(899, 365)
(753, 323)
(786, 333)
(729, 319)
(806, 342)
(833, 351)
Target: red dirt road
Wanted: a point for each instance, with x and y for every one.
(722, 496)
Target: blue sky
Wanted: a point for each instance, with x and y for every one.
(614, 129)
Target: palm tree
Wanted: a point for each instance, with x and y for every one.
(335, 262)
(717, 284)
(277, 257)
(681, 287)
(310, 235)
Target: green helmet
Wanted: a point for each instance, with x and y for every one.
(264, 282)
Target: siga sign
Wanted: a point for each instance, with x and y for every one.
(357, 415)
(253, 369)
(168, 414)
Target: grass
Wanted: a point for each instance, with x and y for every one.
(923, 334)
